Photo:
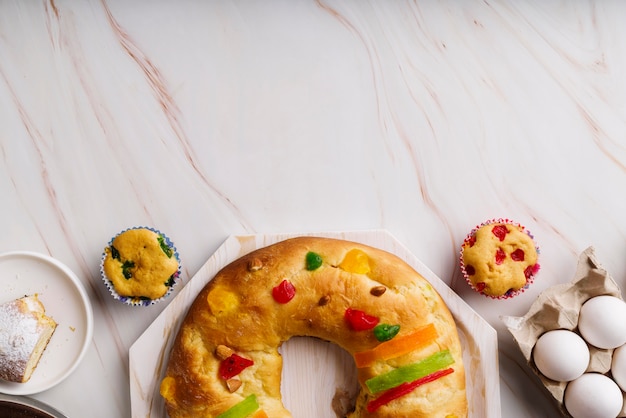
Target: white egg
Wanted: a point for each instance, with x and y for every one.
(618, 367)
(561, 355)
(593, 395)
(602, 321)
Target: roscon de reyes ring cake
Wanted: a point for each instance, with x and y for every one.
(225, 361)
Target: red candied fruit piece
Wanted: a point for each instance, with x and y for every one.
(517, 255)
(359, 320)
(470, 270)
(500, 232)
(233, 365)
(471, 240)
(500, 256)
(530, 270)
(284, 292)
(480, 286)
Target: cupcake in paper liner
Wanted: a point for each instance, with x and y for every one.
(140, 266)
(499, 258)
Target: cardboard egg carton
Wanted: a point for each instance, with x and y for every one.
(558, 307)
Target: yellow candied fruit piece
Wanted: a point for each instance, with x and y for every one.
(222, 301)
(356, 261)
(168, 388)
(451, 416)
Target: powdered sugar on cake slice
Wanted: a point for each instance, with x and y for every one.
(25, 331)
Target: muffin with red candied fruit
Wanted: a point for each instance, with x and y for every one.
(499, 258)
(140, 266)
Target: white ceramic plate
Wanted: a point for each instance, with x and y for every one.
(65, 300)
(322, 363)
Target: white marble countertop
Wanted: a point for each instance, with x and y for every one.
(207, 119)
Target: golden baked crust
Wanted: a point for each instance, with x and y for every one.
(237, 311)
(138, 265)
(499, 258)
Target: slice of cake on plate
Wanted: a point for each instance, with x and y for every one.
(25, 332)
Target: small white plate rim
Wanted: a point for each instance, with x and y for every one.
(80, 300)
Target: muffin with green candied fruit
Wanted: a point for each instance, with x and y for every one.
(140, 266)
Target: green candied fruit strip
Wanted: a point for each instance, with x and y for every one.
(241, 409)
(166, 249)
(114, 253)
(313, 261)
(410, 372)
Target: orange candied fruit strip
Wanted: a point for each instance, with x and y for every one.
(400, 345)
(259, 414)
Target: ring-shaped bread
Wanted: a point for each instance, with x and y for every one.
(225, 361)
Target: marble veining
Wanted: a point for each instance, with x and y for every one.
(208, 119)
